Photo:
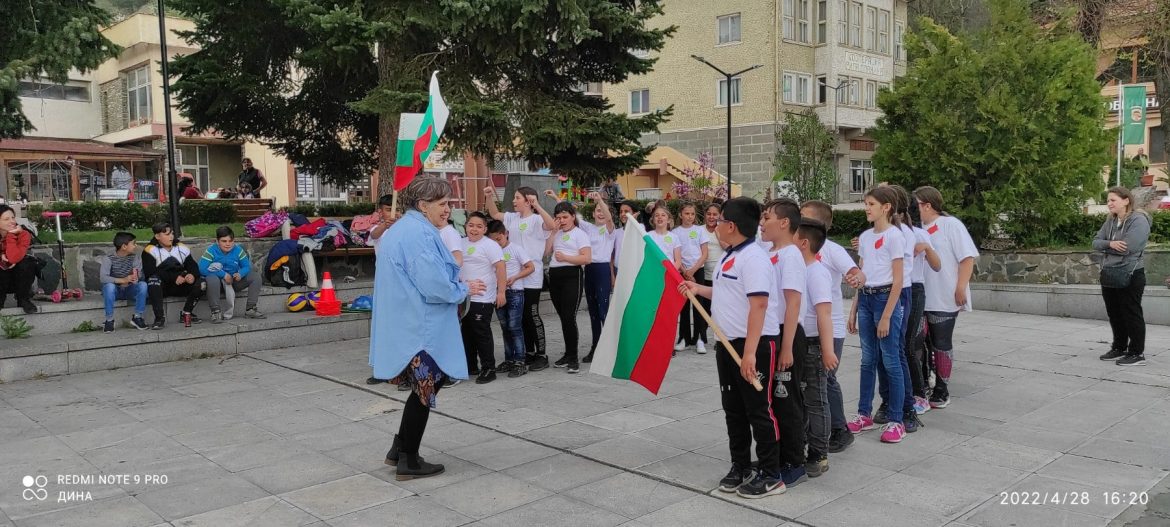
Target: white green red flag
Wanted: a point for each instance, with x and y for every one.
(639, 333)
(417, 136)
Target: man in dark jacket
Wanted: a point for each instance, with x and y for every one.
(251, 178)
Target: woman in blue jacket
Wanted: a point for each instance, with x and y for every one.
(414, 331)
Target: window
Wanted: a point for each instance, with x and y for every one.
(870, 94)
(789, 19)
(589, 88)
(721, 92)
(883, 24)
(193, 160)
(138, 95)
(861, 171)
(899, 49)
(843, 91)
(797, 88)
(855, 24)
(802, 25)
(842, 22)
(854, 92)
(1158, 144)
(639, 102)
(310, 189)
(640, 53)
(871, 28)
(822, 90)
(47, 90)
(822, 21)
(729, 29)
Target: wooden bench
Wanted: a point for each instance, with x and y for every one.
(247, 209)
(307, 262)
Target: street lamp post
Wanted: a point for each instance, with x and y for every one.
(836, 130)
(172, 174)
(728, 77)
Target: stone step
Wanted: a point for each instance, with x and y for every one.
(60, 319)
(48, 355)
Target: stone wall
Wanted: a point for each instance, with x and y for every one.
(1058, 267)
(113, 104)
(753, 149)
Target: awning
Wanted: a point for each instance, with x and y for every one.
(79, 149)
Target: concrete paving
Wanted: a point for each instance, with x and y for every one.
(294, 437)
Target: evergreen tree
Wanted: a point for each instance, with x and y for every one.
(324, 81)
(45, 39)
(1007, 123)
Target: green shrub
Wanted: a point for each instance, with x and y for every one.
(305, 209)
(196, 212)
(848, 223)
(128, 215)
(1160, 230)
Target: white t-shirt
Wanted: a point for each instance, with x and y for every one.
(691, 240)
(667, 242)
(568, 242)
(907, 255)
(479, 263)
(953, 243)
(788, 264)
(451, 238)
(514, 261)
(838, 262)
(714, 253)
(618, 236)
(878, 251)
(600, 239)
(920, 265)
(818, 290)
(744, 271)
(529, 233)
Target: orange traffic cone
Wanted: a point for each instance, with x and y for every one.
(328, 305)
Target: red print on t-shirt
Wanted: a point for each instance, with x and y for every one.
(818, 257)
(933, 229)
(879, 242)
(728, 264)
(775, 258)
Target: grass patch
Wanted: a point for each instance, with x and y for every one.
(206, 230)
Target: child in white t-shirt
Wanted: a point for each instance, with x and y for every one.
(570, 251)
(693, 239)
(820, 357)
(517, 265)
(482, 260)
(598, 273)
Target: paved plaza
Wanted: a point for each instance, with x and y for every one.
(294, 437)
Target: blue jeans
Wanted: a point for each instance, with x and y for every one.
(888, 350)
(510, 322)
(135, 292)
(598, 289)
(906, 303)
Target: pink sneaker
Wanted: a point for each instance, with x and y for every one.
(860, 424)
(893, 433)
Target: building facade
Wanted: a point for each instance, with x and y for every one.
(828, 55)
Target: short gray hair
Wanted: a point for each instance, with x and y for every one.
(424, 189)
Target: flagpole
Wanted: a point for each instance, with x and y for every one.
(719, 334)
(1120, 128)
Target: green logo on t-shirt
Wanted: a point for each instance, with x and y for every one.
(602, 231)
(694, 235)
(523, 227)
(565, 238)
(668, 239)
(471, 250)
(507, 257)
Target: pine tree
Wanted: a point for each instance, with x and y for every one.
(324, 81)
(1008, 123)
(45, 39)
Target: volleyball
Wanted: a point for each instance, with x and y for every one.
(297, 302)
(313, 297)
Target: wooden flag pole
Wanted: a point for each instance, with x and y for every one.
(719, 334)
(394, 203)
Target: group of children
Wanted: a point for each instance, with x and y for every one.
(166, 268)
(776, 293)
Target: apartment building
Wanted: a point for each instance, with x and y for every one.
(108, 125)
(829, 55)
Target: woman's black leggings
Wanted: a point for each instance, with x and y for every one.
(414, 421)
(564, 286)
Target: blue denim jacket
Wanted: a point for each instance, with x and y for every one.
(416, 294)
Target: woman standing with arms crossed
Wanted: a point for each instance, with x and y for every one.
(1122, 242)
(414, 334)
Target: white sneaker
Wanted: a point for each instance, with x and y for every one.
(700, 348)
(679, 346)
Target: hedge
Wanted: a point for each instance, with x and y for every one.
(127, 215)
(331, 210)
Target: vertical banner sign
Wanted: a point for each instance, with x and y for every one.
(1133, 115)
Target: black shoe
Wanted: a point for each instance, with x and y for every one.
(912, 422)
(573, 368)
(412, 466)
(735, 477)
(879, 417)
(588, 358)
(473, 371)
(487, 376)
(138, 323)
(27, 305)
(817, 464)
(1132, 360)
(108, 326)
(517, 370)
(561, 362)
(839, 440)
(375, 380)
(505, 367)
(159, 323)
(540, 362)
(793, 475)
(762, 485)
(1113, 354)
(393, 454)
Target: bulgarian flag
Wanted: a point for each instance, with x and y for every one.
(417, 136)
(638, 337)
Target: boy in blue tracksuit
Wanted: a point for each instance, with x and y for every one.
(226, 265)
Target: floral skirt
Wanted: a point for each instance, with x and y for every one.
(422, 374)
